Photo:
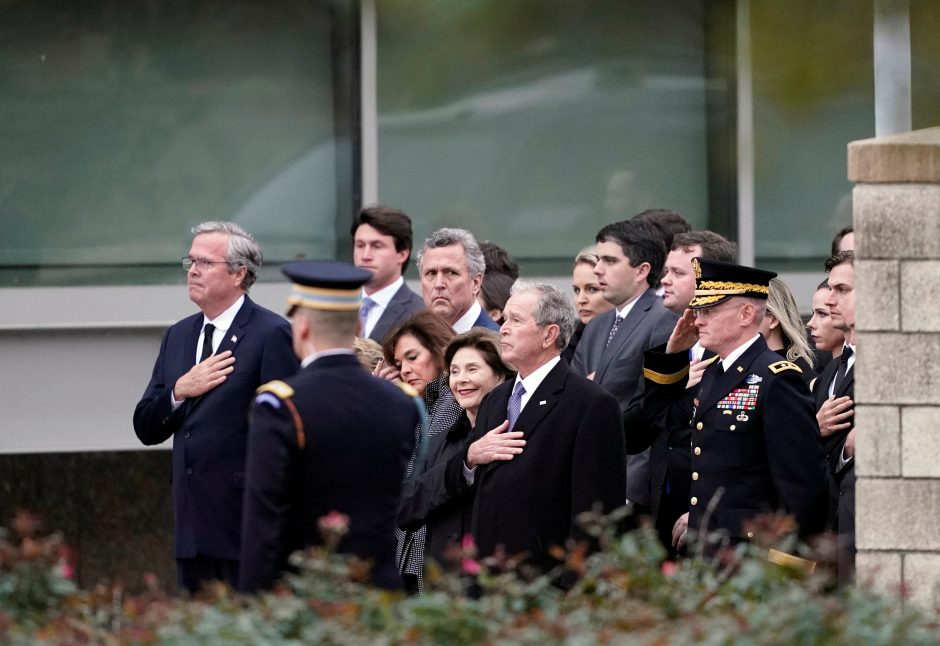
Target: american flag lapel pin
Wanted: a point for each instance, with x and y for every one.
(542, 402)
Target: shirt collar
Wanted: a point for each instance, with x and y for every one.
(622, 312)
(537, 376)
(324, 353)
(224, 320)
(384, 296)
(465, 322)
(735, 354)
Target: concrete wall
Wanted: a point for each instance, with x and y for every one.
(897, 238)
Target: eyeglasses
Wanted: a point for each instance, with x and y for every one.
(710, 311)
(201, 263)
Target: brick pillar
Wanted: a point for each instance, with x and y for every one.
(896, 208)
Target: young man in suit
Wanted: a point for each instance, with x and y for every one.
(452, 267)
(382, 244)
(835, 404)
(630, 263)
(202, 383)
(548, 445)
(331, 438)
(756, 448)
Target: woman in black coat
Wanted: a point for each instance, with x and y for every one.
(474, 367)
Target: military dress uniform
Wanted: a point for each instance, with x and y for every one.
(755, 445)
(331, 438)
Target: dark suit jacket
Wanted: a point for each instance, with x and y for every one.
(484, 320)
(842, 484)
(664, 426)
(210, 433)
(755, 440)
(618, 367)
(403, 304)
(358, 435)
(573, 458)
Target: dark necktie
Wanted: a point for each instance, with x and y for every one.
(207, 342)
(843, 368)
(613, 330)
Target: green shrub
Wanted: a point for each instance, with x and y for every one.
(623, 593)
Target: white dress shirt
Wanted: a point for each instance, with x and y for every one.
(381, 298)
(465, 322)
(222, 323)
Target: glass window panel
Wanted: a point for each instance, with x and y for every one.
(813, 93)
(534, 123)
(124, 124)
(925, 63)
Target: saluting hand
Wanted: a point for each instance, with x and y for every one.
(684, 335)
(495, 445)
(833, 416)
(204, 376)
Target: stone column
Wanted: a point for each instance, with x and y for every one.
(896, 208)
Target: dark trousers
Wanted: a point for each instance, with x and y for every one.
(195, 572)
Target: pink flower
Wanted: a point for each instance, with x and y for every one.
(66, 570)
(669, 568)
(469, 566)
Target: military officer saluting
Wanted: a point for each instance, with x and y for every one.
(330, 438)
(756, 447)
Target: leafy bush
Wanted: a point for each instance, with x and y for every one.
(623, 593)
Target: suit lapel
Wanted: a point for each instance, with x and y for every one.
(192, 338)
(823, 381)
(232, 338)
(627, 327)
(540, 404)
(717, 386)
(847, 384)
(237, 330)
(542, 401)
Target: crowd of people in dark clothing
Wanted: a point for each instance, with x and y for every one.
(670, 379)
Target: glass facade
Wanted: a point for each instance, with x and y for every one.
(531, 122)
(123, 124)
(813, 92)
(535, 123)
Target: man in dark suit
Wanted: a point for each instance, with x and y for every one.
(835, 404)
(451, 266)
(332, 438)
(202, 384)
(382, 244)
(756, 446)
(564, 452)
(630, 262)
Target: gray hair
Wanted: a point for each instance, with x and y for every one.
(242, 251)
(552, 308)
(446, 237)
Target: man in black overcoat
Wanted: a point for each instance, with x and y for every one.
(332, 438)
(570, 454)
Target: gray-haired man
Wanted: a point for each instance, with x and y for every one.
(202, 384)
(452, 267)
(548, 445)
